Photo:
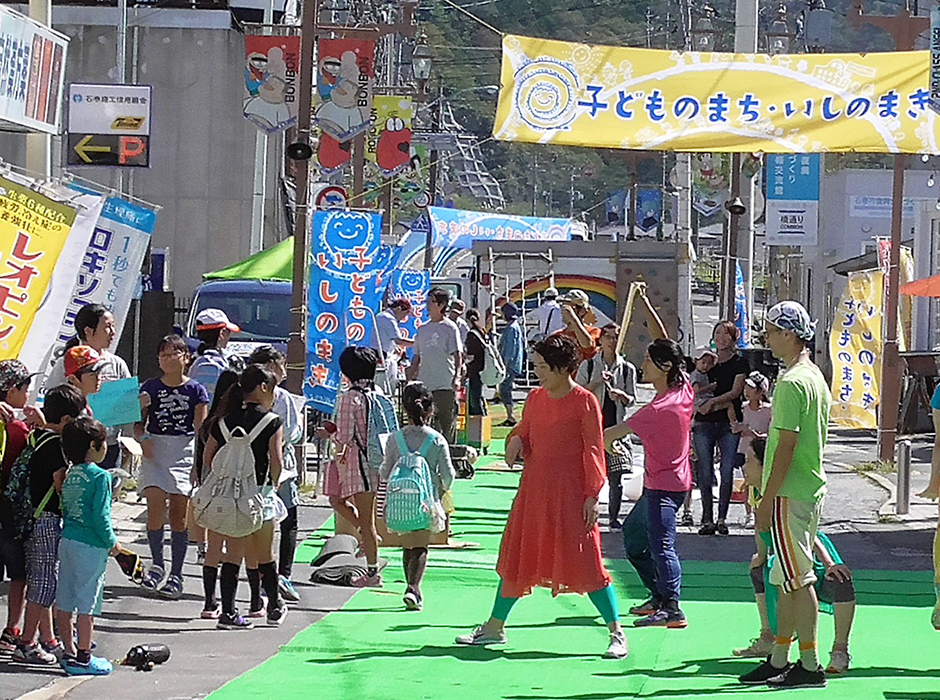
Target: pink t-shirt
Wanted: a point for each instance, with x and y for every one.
(664, 428)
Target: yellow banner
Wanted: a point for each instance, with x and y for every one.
(648, 99)
(388, 143)
(33, 229)
(855, 350)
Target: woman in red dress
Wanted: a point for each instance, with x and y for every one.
(551, 538)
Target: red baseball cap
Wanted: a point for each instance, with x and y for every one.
(210, 319)
(81, 358)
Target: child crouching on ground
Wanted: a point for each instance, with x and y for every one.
(87, 540)
(419, 438)
(834, 588)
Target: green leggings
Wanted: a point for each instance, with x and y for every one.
(603, 600)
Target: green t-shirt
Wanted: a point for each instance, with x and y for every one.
(801, 404)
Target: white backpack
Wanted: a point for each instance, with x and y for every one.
(230, 501)
(494, 370)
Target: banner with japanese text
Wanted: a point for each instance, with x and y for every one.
(346, 268)
(741, 319)
(33, 232)
(343, 101)
(388, 143)
(271, 72)
(555, 92)
(855, 351)
(414, 286)
(37, 349)
(456, 228)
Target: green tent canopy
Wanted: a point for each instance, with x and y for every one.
(275, 263)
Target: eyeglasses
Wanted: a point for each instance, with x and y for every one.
(169, 355)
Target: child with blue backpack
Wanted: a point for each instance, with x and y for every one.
(420, 454)
(351, 477)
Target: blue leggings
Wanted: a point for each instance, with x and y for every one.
(603, 600)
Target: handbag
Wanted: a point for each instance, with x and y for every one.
(619, 458)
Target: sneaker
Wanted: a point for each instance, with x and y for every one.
(480, 637)
(201, 555)
(673, 619)
(256, 613)
(96, 666)
(799, 677)
(367, 581)
(213, 613)
(287, 590)
(412, 600)
(153, 579)
(618, 647)
(707, 529)
(686, 520)
(616, 524)
(763, 673)
(9, 638)
(508, 423)
(277, 615)
(748, 522)
(57, 648)
(721, 528)
(760, 649)
(173, 588)
(647, 607)
(233, 622)
(33, 654)
(839, 661)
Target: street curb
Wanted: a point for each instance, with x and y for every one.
(887, 510)
(56, 690)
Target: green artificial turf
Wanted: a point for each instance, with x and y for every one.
(372, 649)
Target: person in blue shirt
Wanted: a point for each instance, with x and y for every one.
(511, 350)
(87, 540)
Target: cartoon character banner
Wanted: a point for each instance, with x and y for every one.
(645, 99)
(649, 208)
(855, 351)
(741, 319)
(414, 286)
(346, 265)
(345, 71)
(388, 144)
(456, 228)
(33, 233)
(271, 72)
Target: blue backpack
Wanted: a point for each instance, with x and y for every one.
(409, 501)
(381, 422)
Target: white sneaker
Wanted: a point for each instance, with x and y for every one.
(618, 647)
(34, 654)
(759, 649)
(839, 661)
(480, 637)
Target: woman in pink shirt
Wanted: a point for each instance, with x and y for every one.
(663, 426)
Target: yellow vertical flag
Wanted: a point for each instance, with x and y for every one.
(33, 230)
(855, 350)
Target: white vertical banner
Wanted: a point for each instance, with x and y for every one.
(935, 57)
(36, 352)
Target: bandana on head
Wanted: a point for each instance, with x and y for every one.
(791, 316)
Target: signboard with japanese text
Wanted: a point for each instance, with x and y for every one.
(388, 143)
(456, 228)
(556, 92)
(414, 286)
(109, 125)
(793, 199)
(855, 351)
(33, 232)
(271, 73)
(345, 71)
(935, 57)
(741, 319)
(344, 296)
(32, 72)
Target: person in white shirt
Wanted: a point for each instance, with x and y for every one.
(390, 342)
(549, 315)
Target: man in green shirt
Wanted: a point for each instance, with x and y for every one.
(793, 490)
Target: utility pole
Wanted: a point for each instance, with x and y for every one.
(904, 28)
(433, 173)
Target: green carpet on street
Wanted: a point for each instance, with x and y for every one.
(373, 649)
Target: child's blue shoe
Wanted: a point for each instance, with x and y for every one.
(96, 666)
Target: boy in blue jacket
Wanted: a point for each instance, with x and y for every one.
(87, 540)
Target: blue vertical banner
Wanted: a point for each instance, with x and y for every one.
(343, 297)
(414, 286)
(649, 209)
(741, 319)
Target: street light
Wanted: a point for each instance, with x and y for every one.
(778, 37)
(704, 33)
(421, 64)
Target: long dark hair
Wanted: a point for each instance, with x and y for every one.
(667, 355)
(476, 323)
(418, 403)
(233, 399)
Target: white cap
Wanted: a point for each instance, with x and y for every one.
(210, 319)
(550, 293)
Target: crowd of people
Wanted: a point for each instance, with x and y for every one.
(213, 419)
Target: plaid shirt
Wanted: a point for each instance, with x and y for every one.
(350, 425)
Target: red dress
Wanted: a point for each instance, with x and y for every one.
(545, 543)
